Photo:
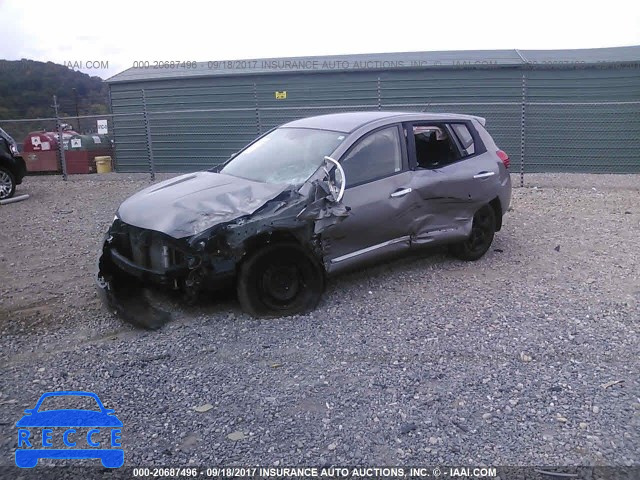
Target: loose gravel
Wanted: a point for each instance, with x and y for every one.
(424, 360)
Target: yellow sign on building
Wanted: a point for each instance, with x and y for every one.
(281, 95)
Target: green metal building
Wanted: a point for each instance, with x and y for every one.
(551, 110)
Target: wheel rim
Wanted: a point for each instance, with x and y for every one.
(280, 285)
(6, 185)
(480, 232)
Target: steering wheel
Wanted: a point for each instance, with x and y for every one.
(336, 192)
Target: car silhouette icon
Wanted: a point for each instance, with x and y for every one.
(85, 433)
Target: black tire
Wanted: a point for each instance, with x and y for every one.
(279, 280)
(7, 183)
(481, 237)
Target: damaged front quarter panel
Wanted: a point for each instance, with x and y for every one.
(323, 212)
(302, 214)
(210, 257)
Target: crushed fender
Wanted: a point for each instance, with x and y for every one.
(209, 255)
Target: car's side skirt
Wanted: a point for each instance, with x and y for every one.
(360, 256)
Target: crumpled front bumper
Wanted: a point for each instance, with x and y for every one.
(123, 290)
(164, 277)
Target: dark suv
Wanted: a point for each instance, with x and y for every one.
(12, 166)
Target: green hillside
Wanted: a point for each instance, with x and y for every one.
(27, 88)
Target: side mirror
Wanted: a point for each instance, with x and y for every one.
(337, 183)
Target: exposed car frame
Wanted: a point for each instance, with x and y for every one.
(305, 223)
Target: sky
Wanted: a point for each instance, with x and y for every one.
(109, 37)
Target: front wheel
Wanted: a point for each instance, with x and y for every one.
(279, 280)
(7, 184)
(479, 241)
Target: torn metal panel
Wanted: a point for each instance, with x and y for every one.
(323, 212)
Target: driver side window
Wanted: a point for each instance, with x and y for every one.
(375, 156)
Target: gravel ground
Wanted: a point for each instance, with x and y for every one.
(424, 360)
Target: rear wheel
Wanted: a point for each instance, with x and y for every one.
(481, 237)
(7, 184)
(279, 280)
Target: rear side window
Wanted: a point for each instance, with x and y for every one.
(465, 138)
(435, 146)
(375, 156)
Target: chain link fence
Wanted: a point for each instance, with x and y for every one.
(538, 136)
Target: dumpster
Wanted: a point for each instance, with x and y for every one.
(40, 150)
(81, 151)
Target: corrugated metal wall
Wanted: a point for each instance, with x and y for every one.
(183, 138)
(198, 122)
(579, 120)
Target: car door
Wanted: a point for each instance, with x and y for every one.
(377, 180)
(452, 190)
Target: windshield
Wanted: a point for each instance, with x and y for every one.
(286, 155)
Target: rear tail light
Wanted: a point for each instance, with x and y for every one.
(504, 157)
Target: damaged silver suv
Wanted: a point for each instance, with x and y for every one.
(308, 199)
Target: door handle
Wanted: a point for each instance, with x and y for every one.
(484, 174)
(400, 193)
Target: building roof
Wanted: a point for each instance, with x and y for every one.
(145, 71)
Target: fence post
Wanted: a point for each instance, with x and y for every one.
(255, 99)
(63, 161)
(522, 127)
(147, 126)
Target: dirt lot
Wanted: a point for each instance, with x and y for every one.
(425, 360)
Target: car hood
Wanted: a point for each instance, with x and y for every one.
(189, 204)
(69, 418)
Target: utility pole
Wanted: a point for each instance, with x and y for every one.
(75, 96)
(63, 161)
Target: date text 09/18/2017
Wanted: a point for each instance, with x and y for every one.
(314, 472)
